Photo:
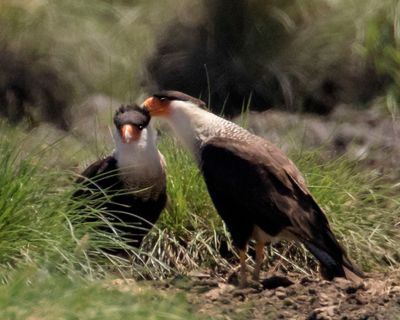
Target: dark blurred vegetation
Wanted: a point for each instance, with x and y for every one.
(28, 83)
(307, 55)
(298, 55)
(55, 53)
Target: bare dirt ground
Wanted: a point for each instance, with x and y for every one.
(292, 296)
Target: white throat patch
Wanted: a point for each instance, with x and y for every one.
(140, 162)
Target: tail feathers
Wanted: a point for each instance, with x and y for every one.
(332, 267)
(353, 276)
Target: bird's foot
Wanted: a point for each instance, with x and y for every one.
(256, 276)
(255, 284)
(237, 279)
(243, 283)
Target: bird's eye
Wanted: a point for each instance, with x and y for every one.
(163, 99)
(140, 127)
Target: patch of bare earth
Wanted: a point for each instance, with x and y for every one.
(293, 297)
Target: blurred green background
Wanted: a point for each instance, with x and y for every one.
(295, 55)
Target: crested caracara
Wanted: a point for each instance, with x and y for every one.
(257, 190)
(130, 184)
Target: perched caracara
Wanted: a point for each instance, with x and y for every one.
(131, 183)
(258, 192)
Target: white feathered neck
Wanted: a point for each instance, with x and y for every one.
(195, 126)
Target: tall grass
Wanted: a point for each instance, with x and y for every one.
(33, 213)
(39, 223)
(362, 206)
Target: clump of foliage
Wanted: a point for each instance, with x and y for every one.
(362, 206)
(40, 221)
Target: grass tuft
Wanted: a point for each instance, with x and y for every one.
(362, 206)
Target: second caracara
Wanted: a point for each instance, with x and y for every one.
(130, 184)
(257, 190)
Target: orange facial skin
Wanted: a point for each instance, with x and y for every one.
(129, 133)
(157, 107)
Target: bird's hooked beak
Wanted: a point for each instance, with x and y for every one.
(129, 133)
(157, 107)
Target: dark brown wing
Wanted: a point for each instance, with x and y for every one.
(98, 167)
(273, 180)
(252, 182)
(101, 174)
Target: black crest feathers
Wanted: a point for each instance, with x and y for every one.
(132, 114)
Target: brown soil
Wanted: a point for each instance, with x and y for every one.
(293, 297)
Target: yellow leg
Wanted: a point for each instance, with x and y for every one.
(243, 269)
(259, 260)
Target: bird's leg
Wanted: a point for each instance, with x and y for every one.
(259, 260)
(243, 268)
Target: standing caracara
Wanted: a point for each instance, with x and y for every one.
(257, 190)
(130, 185)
